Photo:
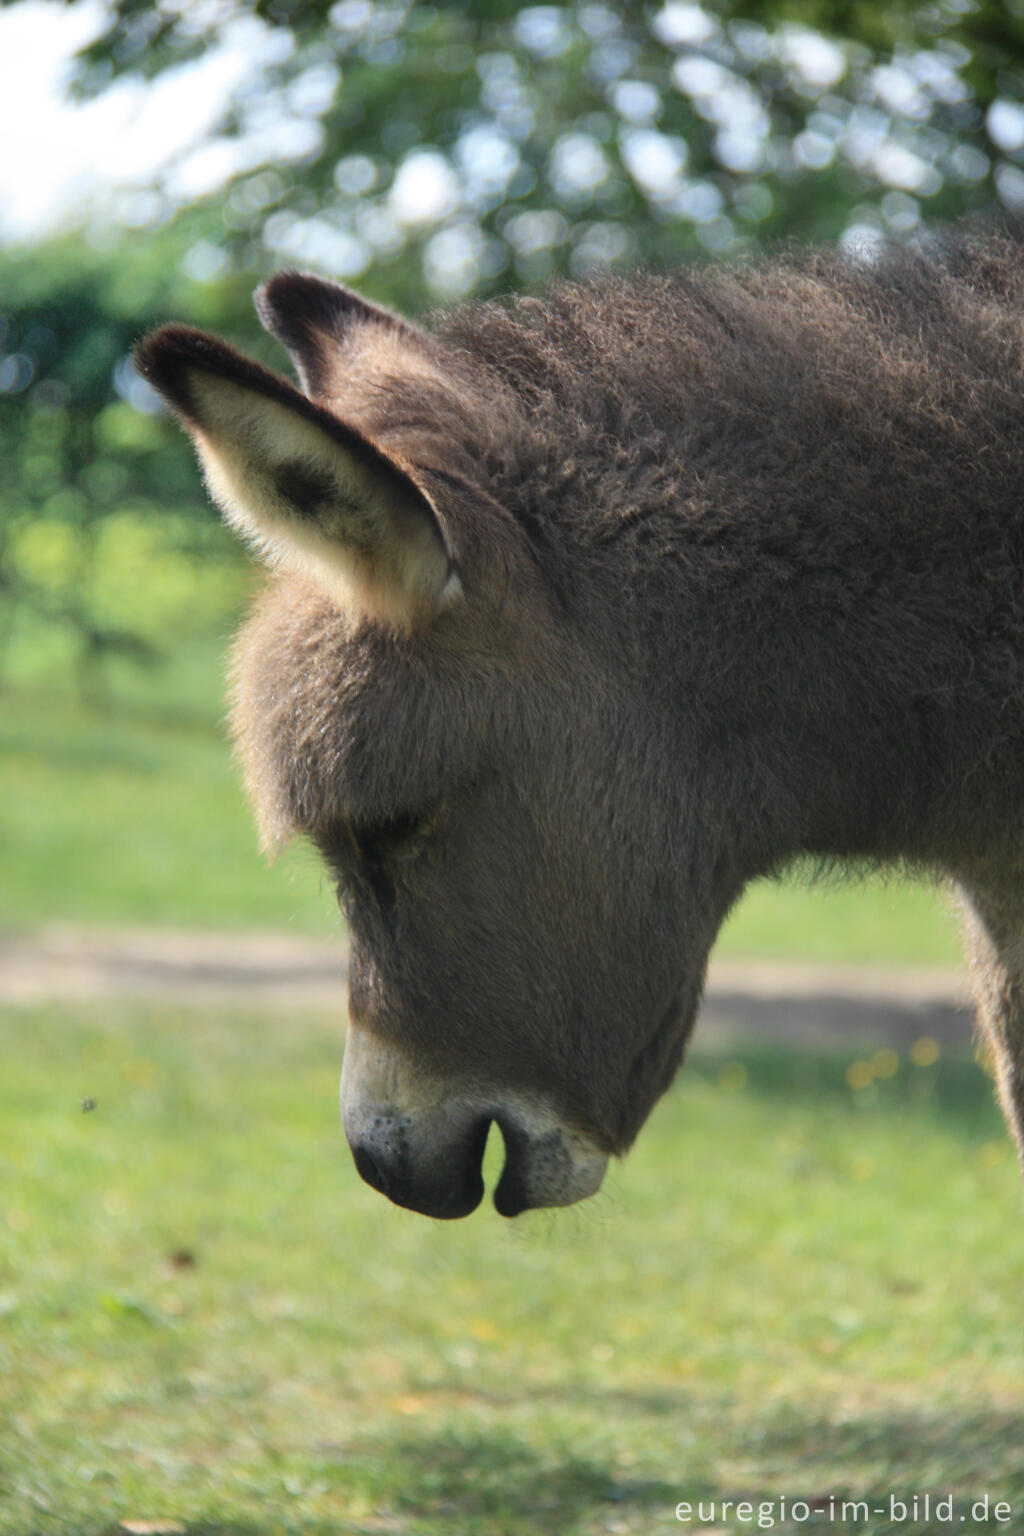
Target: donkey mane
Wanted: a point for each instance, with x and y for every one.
(747, 455)
(796, 370)
(803, 403)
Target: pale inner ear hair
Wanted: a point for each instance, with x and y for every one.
(346, 516)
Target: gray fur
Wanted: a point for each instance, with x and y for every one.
(742, 553)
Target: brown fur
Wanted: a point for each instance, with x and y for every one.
(742, 554)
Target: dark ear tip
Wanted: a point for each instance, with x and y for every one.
(153, 346)
(169, 358)
(162, 358)
(291, 285)
(270, 295)
(293, 306)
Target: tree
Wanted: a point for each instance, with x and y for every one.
(432, 151)
(82, 456)
(445, 149)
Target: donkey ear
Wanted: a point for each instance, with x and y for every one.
(307, 490)
(319, 322)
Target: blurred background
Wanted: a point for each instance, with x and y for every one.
(804, 1281)
(160, 159)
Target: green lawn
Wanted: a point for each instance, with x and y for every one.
(131, 812)
(790, 1289)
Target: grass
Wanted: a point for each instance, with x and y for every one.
(875, 921)
(129, 811)
(791, 1289)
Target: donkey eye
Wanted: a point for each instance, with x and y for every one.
(393, 837)
(376, 840)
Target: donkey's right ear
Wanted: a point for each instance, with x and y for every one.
(308, 490)
(322, 325)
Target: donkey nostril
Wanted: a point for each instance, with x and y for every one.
(443, 1182)
(369, 1170)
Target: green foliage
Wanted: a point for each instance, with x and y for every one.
(93, 483)
(206, 1317)
(443, 149)
(433, 151)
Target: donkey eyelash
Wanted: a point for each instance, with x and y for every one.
(376, 839)
(402, 834)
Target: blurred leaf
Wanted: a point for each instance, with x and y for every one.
(432, 152)
(424, 149)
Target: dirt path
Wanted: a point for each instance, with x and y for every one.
(802, 1003)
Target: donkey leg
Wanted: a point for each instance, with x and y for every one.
(994, 931)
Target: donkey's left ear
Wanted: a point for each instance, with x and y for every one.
(306, 489)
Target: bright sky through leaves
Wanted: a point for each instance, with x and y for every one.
(555, 136)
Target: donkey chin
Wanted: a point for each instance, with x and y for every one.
(421, 1142)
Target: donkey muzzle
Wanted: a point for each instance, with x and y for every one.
(420, 1140)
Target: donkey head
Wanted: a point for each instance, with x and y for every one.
(465, 742)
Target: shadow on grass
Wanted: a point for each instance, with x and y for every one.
(954, 1085)
(476, 1481)
(839, 1020)
(843, 1475)
(494, 1482)
(797, 1470)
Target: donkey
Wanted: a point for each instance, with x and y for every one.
(587, 609)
